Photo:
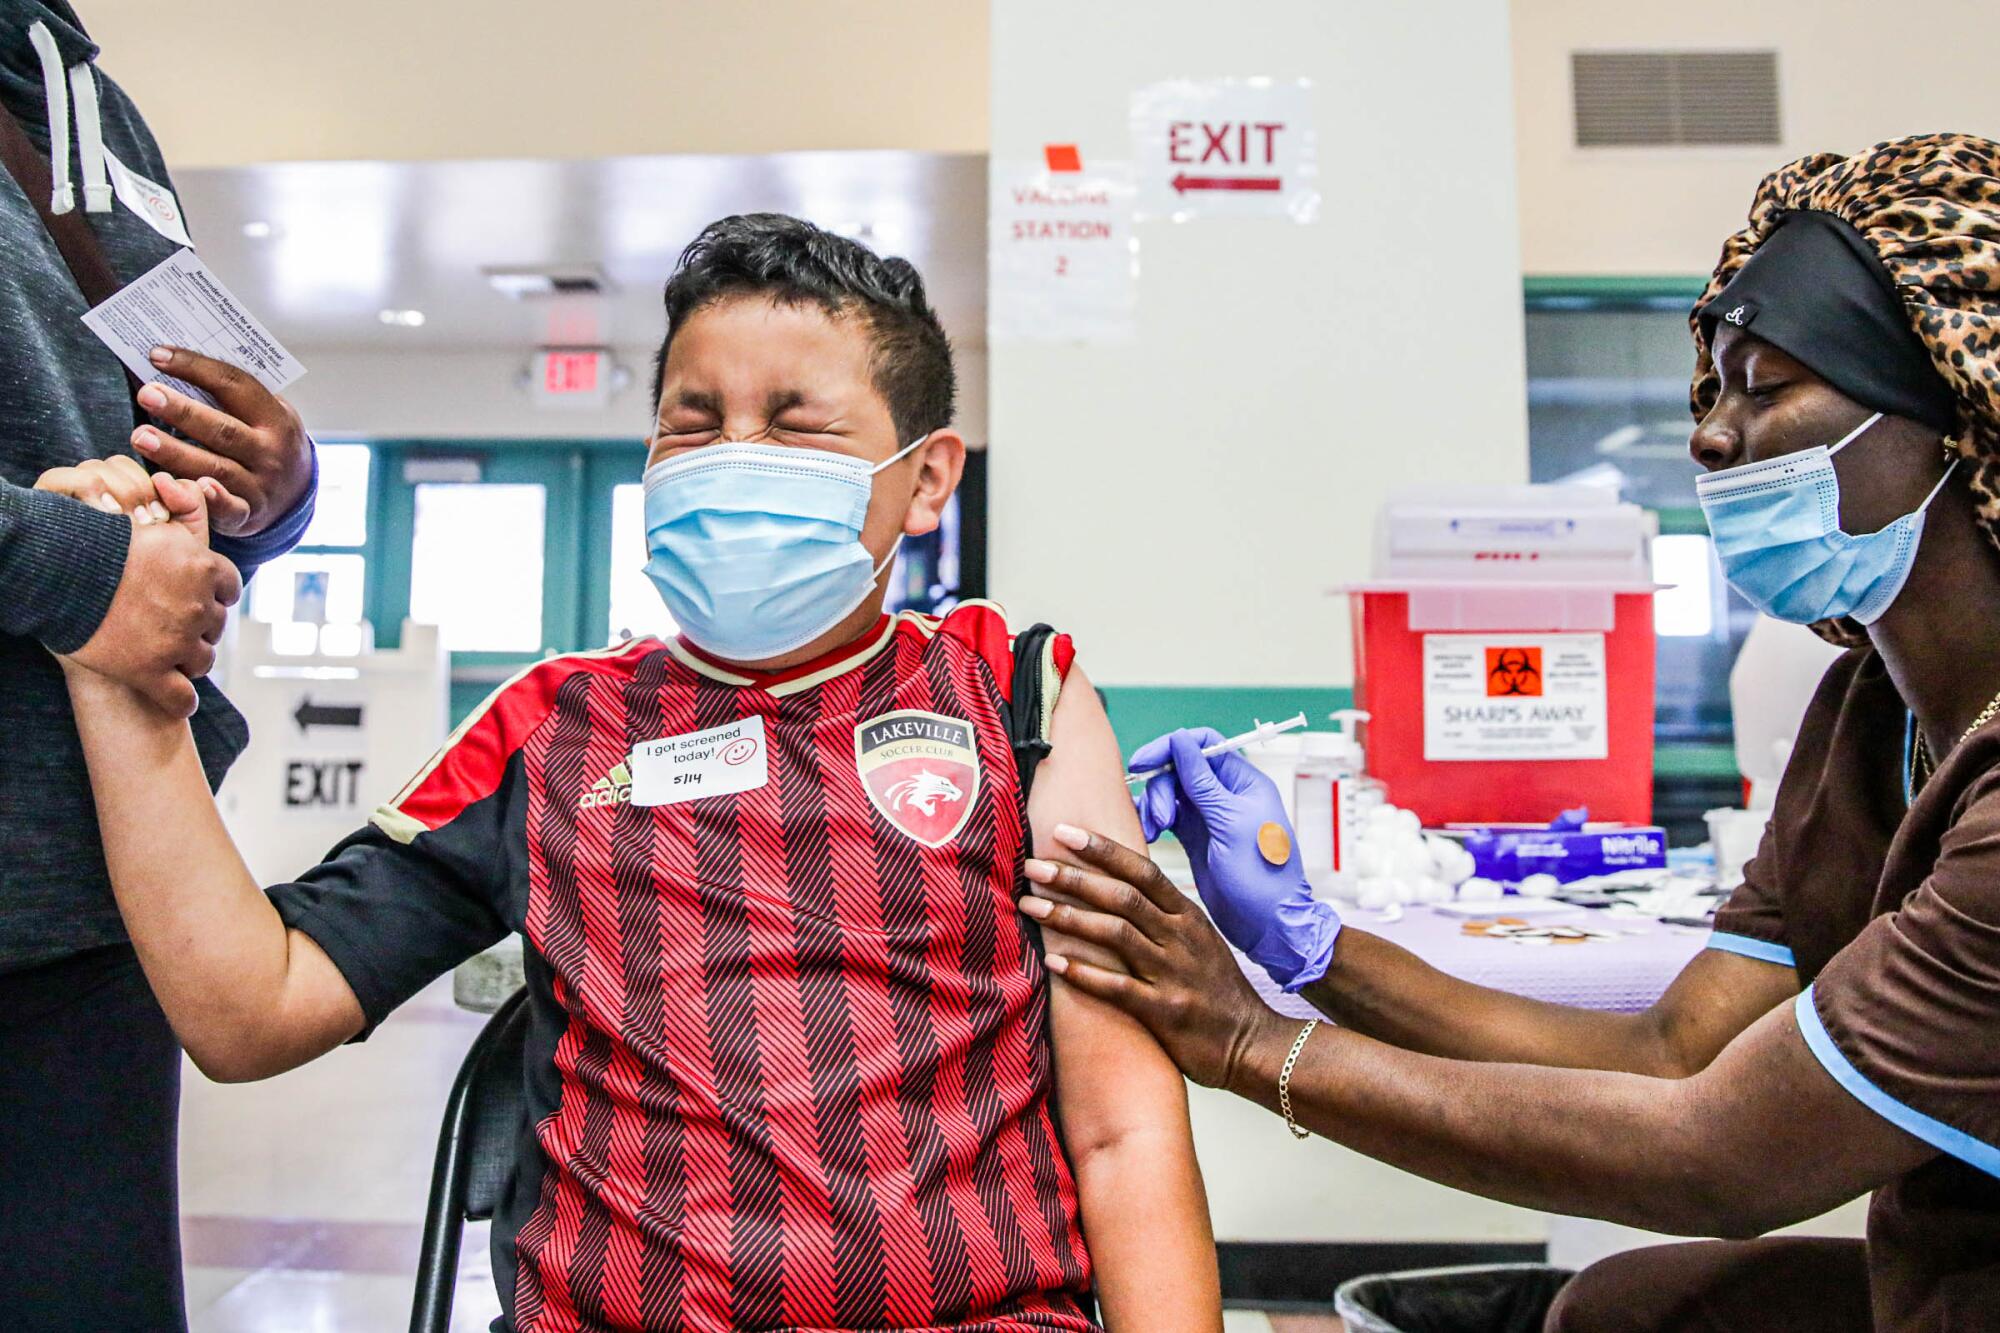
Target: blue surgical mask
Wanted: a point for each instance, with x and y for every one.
(1776, 526)
(756, 548)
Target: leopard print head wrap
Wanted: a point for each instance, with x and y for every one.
(1929, 206)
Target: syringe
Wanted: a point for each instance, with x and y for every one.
(1263, 731)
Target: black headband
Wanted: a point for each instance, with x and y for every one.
(1816, 290)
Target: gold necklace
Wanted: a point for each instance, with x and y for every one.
(1921, 763)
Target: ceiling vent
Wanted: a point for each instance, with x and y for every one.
(528, 281)
(1660, 99)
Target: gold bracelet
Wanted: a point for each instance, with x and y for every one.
(1285, 1081)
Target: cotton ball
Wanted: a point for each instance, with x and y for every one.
(1477, 889)
(1454, 864)
(1382, 816)
(1433, 891)
(1411, 860)
(1374, 893)
(1371, 859)
(1407, 821)
(1540, 886)
(1338, 886)
(1402, 890)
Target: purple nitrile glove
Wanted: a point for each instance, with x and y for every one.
(1216, 807)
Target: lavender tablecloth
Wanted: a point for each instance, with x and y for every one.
(1624, 974)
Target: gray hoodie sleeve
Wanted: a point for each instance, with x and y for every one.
(60, 563)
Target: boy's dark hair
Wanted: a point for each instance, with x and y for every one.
(792, 262)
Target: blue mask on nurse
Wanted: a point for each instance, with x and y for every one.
(1776, 526)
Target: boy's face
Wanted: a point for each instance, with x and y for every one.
(748, 370)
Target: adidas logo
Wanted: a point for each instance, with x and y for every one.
(614, 788)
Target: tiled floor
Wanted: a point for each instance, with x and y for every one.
(303, 1197)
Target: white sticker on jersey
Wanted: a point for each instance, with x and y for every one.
(151, 200)
(718, 762)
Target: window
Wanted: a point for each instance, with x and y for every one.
(1607, 403)
(316, 597)
(476, 564)
(1684, 566)
(636, 608)
(314, 588)
(340, 518)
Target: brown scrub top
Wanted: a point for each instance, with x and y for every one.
(1889, 909)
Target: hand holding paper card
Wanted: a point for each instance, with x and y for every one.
(179, 303)
(251, 444)
(212, 373)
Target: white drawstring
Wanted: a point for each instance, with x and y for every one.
(63, 198)
(90, 139)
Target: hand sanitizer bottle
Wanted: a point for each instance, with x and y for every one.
(1331, 797)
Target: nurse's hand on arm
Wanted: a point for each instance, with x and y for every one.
(1124, 1105)
(1217, 805)
(1761, 1137)
(247, 997)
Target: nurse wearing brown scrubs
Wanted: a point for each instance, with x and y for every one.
(1842, 1034)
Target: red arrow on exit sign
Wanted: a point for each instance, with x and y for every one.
(1184, 182)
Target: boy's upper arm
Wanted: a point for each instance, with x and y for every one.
(426, 884)
(1082, 779)
(392, 917)
(1111, 1074)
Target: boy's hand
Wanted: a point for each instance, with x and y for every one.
(120, 485)
(254, 445)
(116, 485)
(160, 633)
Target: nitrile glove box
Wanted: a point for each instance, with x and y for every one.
(1511, 853)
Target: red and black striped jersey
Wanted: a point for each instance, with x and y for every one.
(788, 1063)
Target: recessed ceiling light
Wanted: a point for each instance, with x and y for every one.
(259, 231)
(407, 319)
(526, 282)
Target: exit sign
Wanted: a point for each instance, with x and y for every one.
(571, 377)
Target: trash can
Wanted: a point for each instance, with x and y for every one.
(1483, 1298)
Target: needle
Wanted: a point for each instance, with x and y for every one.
(1263, 731)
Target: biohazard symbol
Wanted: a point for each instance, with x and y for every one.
(1513, 672)
(924, 792)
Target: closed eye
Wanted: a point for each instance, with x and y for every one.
(808, 426)
(685, 435)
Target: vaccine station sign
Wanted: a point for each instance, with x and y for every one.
(1061, 257)
(1226, 148)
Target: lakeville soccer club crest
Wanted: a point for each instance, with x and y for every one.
(921, 770)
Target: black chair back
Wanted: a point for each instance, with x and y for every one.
(476, 1150)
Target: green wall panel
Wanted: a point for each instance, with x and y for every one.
(1141, 712)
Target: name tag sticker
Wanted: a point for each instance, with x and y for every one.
(152, 201)
(721, 761)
